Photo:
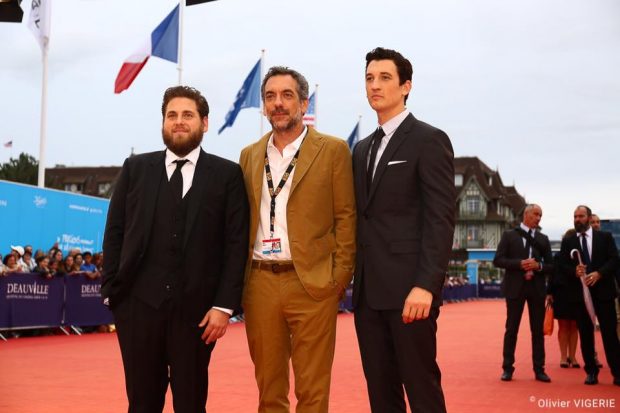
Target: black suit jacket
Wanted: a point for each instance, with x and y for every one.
(604, 260)
(511, 251)
(215, 240)
(406, 218)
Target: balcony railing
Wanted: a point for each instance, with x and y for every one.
(473, 243)
(478, 215)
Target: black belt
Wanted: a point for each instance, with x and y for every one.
(273, 266)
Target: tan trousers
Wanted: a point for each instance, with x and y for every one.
(284, 323)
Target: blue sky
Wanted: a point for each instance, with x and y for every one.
(530, 87)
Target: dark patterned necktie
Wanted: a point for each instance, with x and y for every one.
(376, 141)
(584, 250)
(176, 180)
(528, 246)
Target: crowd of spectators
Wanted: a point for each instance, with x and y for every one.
(455, 281)
(53, 263)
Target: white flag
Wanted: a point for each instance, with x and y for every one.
(39, 21)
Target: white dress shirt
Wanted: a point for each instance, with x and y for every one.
(389, 128)
(527, 229)
(278, 164)
(187, 171)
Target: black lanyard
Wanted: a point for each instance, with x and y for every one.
(274, 193)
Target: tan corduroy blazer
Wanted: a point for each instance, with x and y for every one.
(320, 210)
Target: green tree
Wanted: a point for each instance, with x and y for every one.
(24, 169)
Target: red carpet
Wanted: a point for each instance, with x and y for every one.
(78, 374)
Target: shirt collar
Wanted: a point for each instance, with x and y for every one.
(391, 125)
(192, 157)
(527, 229)
(294, 146)
(588, 233)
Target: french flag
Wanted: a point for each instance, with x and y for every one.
(163, 43)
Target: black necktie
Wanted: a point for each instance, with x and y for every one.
(376, 141)
(584, 250)
(528, 244)
(176, 180)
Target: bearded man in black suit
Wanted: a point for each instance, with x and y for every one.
(174, 256)
(591, 280)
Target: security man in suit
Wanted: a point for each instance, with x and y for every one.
(406, 201)
(592, 280)
(525, 253)
(174, 253)
(302, 247)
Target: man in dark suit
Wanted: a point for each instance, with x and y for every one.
(592, 280)
(405, 194)
(525, 253)
(174, 255)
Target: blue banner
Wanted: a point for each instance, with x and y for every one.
(472, 271)
(41, 217)
(83, 303)
(29, 300)
(459, 292)
(490, 291)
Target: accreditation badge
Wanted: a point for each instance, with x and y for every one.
(272, 246)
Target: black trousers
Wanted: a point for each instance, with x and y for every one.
(514, 312)
(606, 313)
(159, 346)
(395, 354)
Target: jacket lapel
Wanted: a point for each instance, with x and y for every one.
(312, 144)
(395, 141)
(519, 243)
(258, 168)
(199, 186)
(536, 252)
(595, 240)
(360, 174)
(576, 241)
(155, 171)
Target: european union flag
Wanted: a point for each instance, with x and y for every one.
(247, 97)
(354, 137)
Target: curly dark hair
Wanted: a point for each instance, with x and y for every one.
(302, 83)
(186, 92)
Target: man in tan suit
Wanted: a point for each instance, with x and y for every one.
(302, 247)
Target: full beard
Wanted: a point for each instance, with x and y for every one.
(580, 227)
(181, 147)
(282, 126)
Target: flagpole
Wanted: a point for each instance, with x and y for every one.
(43, 138)
(316, 106)
(180, 55)
(261, 71)
(359, 126)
